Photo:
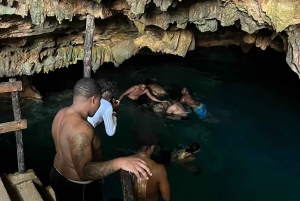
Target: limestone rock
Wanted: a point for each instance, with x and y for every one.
(41, 36)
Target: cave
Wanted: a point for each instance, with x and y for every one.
(240, 57)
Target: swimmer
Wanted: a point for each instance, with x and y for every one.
(186, 154)
(174, 110)
(156, 186)
(134, 92)
(198, 107)
(182, 156)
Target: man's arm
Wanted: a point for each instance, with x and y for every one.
(128, 91)
(164, 185)
(110, 121)
(87, 169)
(150, 95)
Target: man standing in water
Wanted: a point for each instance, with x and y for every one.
(199, 108)
(134, 92)
(78, 166)
(158, 184)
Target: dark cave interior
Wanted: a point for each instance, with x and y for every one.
(275, 70)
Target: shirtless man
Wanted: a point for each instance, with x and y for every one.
(78, 165)
(199, 108)
(174, 111)
(136, 91)
(158, 184)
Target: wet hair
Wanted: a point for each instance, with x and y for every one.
(87, 87)
(107, 95)
(194, 147)
(187, 89)
(145, 139)
(107, 85)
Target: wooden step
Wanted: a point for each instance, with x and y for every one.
(28, 192)
(3, 193)
(24, 187)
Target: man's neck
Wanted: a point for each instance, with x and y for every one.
(145, 154)
(79, 109)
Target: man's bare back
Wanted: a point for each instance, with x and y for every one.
(65, 130)
(156, 186)
(177, 109)
(158, 182)
(157, 90)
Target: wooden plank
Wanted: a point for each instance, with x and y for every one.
(13, 126)
(10, 86)
(18, 133)
(88, 44)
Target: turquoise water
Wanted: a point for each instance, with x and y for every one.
(251, 153)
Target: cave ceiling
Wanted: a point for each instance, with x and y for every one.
(38, 36)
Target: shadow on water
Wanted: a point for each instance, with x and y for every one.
(251, 154)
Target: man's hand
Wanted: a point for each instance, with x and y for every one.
(133, 164)
(116, 105)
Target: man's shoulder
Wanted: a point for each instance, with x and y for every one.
(76, 123)
(157, 166)
(159, 170)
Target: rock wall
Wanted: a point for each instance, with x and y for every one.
(43, 35)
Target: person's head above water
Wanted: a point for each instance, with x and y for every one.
(194, 148)
(145, 140)
(142, 86)
(185, 90)
(108, 88)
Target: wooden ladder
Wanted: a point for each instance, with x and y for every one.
(18, 124)
(23, 185)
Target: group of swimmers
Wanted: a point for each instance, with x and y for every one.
(162, 103)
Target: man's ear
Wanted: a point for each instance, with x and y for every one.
(93, 99)
(152, 147)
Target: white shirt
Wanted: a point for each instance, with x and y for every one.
(104, 113)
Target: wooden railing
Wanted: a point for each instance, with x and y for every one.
(18, 124)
